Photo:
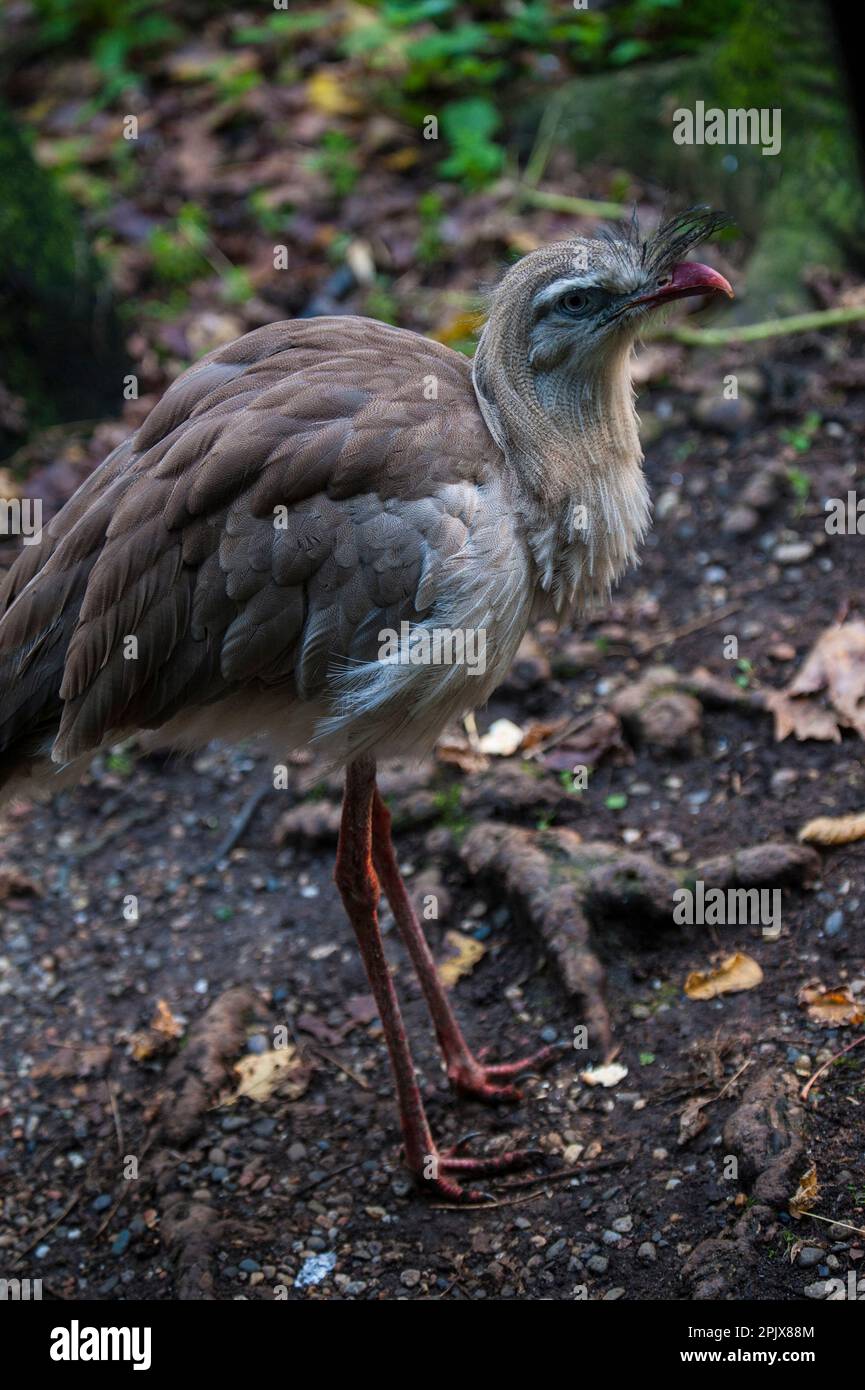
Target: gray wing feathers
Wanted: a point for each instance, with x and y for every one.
(288, 498)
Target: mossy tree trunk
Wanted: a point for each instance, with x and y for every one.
(803, 206)
(60, 346)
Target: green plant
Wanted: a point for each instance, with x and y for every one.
(448, 803)
(380, 302)
(338, 161)
(429, 243)
(800, 486)
(567, 780)
(116, 31)
(744, 671)
(284, 26)
(469, 126)
(801, 437)
(178, 249)
(235, 285)
(271, 217)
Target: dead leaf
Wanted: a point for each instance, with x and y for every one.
(465, 954)
(539, 730)
(261, 1074)
(806, 1193)
(692, 1119)
(502, 739)
(588, 745)
(609, 1075)
(804, 718)
(158, 1037)
(326, 92)
(832, 1008)
(361, 1008)
(75, 1061)
(400, 160)
(459, 753)
(735, 973)
(834, 830)
(461, 326)
(836, 665)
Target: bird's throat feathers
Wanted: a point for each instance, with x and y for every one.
(570, 436)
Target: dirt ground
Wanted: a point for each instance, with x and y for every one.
(126, 1174)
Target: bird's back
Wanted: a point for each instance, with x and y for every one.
(231, 567)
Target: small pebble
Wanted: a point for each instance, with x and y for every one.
(793, 553)
(811, 1255)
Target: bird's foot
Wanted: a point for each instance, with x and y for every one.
(442, 1169)
(472, 1076)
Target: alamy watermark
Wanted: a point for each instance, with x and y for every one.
(845, 516)
(740, 126)
(21, 516)
(77, 1343)
(728, 907)
(20, 1290)
(434, 646)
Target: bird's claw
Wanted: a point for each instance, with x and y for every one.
(436, 1180)
(480, 1079)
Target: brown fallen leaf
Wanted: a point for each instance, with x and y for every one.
(834, 830)
(734, 973)
(459, 753)
(465, 954)
(836, 665)
(540, 730)
(74, 1060)
(586, 746)
(693, 1118)
(832, 1008)
(804, 718)
(263, 1073)
(158, 1037)
(806, 1194)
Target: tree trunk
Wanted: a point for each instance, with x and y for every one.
(61, 353)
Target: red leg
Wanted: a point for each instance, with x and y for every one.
(465, 1071)
(358, 885)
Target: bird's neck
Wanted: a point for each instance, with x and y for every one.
(572, 442)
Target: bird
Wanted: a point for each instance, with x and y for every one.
(234, 567)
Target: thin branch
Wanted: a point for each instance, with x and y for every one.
(757, 332)
(561, 202)
(820, 1070)
(830, 1221)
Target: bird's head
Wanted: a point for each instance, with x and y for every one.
(586, 300)
(552, 370)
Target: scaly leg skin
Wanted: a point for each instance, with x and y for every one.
(466, 1072)
(358, 885)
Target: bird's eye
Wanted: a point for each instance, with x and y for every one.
(574, 302)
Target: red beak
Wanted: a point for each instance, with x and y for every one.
(687, 278)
